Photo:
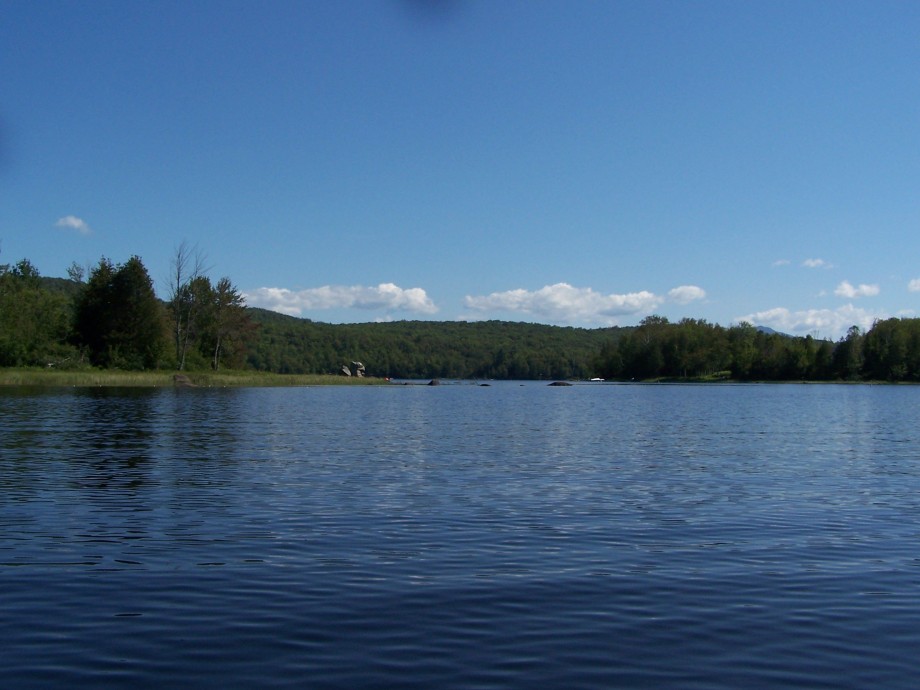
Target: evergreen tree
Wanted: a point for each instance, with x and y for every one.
(118, 318)
(848, 356)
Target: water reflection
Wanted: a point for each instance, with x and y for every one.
(460, 536)
(110, 439)
(109, 476)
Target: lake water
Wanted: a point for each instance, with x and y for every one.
(461, 536)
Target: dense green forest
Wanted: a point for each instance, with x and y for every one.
(693, 349)
(427, 349)
(113, 319)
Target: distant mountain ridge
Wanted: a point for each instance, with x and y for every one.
(770, 331)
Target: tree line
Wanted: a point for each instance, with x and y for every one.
(695, 349)
(115, 320)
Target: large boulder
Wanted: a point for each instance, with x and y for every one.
(182, 381)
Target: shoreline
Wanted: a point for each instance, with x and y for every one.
(101, 378)
(105, 378)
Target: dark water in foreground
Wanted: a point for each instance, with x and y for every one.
(461, 537)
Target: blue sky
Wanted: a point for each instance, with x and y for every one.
(572, 163)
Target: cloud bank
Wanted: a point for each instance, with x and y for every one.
(564, 303)
(827, 323)
(386, 296)
(914, 285)
(73, 223)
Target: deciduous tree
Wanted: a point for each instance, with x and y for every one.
(231, 324)
(187, 267)
(34, 321)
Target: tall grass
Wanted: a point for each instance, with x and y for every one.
(107, 377)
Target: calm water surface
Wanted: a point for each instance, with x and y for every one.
(461, 536)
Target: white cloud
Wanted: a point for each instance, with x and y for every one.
(564, 303)
(73, 223)
(782, 262)
(828, 323)
(816, 263)
(914, 285)
(845, 289)
(686, 294)
(383, 296)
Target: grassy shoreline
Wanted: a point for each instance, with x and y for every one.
(94, 378)
(111, 378)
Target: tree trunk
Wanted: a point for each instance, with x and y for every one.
(215, 364)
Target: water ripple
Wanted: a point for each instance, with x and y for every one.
(619, 536)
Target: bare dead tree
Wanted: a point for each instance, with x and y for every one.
(188, 263)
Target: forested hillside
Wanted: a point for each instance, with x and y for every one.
(114, 320)
(427, 349)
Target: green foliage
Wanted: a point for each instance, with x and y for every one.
(847, 362)
(426, 349)
(697, 350)
(211, 324)
(190, 315)
(118, 322)
(34, 320)
(658, 348)
(231, 328)
(891, 350)
(118, 317)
